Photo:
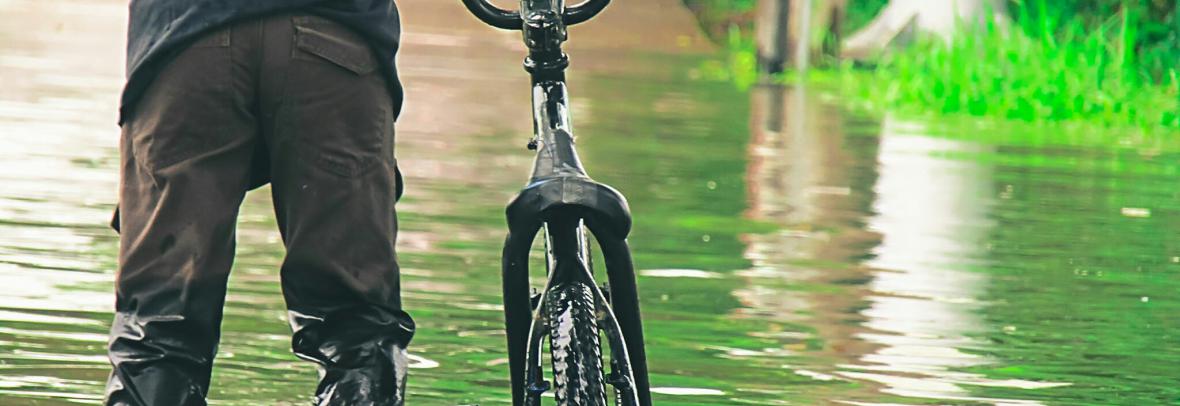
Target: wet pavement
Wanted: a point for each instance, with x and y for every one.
(791, 252)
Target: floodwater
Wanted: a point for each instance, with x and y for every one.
(791, 252)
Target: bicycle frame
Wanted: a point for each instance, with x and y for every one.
(561, 197)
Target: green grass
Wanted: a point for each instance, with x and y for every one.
(1112, 66)
(1042, 69)
(740, 65)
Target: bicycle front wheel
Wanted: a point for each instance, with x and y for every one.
(574, 346)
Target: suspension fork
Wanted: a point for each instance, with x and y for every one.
(523, 329)
(525, 332)
(517, 307)
(625, 302)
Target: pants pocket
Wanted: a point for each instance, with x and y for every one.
(186, 109)
(336, 103)
(317, 38)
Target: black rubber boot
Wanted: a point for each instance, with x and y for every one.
(361, 354)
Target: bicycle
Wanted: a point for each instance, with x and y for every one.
(561, 200)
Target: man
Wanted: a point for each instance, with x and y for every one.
(223, 97)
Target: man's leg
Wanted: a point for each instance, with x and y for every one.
(185, 157)
(334, 190)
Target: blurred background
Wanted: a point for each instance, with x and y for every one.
(861, 202)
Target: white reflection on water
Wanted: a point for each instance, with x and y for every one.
(932, 215)
(903, 318)
(679, 273)
(57, 125)
(687, 391)
(59, 88)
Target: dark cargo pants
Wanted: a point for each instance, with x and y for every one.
(297, 101)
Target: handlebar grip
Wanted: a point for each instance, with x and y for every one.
(494, 16)
(580, 13)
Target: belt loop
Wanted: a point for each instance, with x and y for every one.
(223, 36)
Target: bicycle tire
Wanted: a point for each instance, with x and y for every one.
(574, 346)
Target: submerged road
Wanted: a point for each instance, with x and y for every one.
(790, 251)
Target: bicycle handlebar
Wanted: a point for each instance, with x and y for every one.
(580, 13)
(494, 16)
(511, 20)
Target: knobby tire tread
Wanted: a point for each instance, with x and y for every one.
(574, 346)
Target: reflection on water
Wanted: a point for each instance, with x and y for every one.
(932, 215)
(790, 252)
(56, 126)
(888, 249)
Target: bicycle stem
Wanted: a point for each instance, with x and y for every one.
(544, 32)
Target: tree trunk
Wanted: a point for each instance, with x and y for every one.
(770, 34)
(794, 31)
(941, 19)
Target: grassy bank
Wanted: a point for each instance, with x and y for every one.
(1046, 68)
(1112, 64)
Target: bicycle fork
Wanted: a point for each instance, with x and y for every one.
(618, 317)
